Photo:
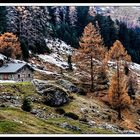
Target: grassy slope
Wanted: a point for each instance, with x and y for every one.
(16, 121)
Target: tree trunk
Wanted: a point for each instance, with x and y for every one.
(119, 113)
(118, 80)
(91, 72)
(70, 63)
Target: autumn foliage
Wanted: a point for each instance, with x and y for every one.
(91, 42)
(91, 50)
(118, 52)
(118, 89)
(118, 93)
(9, 45)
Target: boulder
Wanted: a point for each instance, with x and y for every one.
(129, 132)
(71, 87)
(54, 96)
(70, 127)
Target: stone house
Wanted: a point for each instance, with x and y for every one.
(16, 72)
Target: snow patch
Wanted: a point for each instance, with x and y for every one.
(7, 81)
(45, 72)
(54, 59)
(59, 46)
(2, 57)
(135, 66)
(59, 53)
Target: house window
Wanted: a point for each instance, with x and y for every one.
(29, 75)
(5, 77)
(18, 75)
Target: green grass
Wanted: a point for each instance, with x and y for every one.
(20, 88)
(84, 127)
(16, 121)
(9, 127)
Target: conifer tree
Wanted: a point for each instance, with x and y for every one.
(91, 49)
(73, 15)
(118, 52)
(118, 93)
(2, 19)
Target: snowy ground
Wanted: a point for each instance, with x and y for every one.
(7, 81)
(59, 49)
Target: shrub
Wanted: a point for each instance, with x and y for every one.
(60, 111)
(71, 115)
(26, 106)
(3, 105)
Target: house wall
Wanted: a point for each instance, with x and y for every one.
(25, 74)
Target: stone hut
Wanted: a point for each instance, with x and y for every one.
(16, 72)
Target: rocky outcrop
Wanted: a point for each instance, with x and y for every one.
(56, 93)
(70, 127)
(53, 94)
(7, 99)
(71, 87)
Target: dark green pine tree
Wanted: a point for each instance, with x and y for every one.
(124, 36)
(2, 19)
(82, 16)
(25, 50)
(113, 34)
(108, 29)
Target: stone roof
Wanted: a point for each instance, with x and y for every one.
(11, 67)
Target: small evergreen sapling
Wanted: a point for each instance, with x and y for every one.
(26, 106)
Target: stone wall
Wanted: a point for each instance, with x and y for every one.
(25, 74)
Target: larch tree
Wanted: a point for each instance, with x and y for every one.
(10, 46)
(91, 51)
(118, 90)
(118, 52)
(118, 93)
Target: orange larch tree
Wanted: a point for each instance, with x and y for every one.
(10, 46)
(118, 52)
(118, 90)
(118, 93)
(91, 51)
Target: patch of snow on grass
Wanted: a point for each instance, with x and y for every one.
(45, 72)
(7, 81)
(54, 59)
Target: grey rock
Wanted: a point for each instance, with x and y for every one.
(91, 123)
(71, 87)
(55, 96)
(71, 127)
(109, 127)
(129, 132)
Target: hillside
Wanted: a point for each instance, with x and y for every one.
(69, 70)
(128, 15)
(47, 120)
(60, 104)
